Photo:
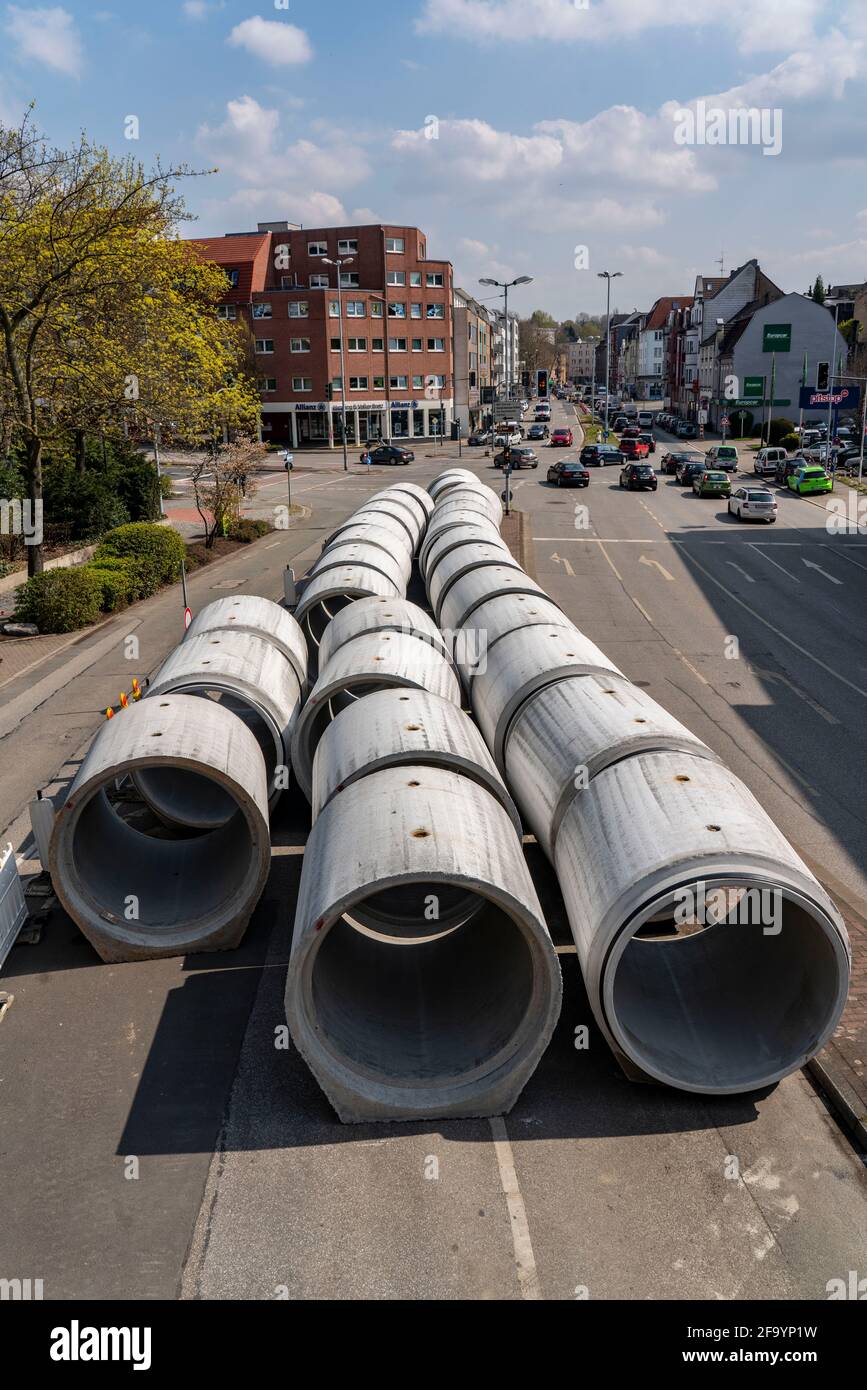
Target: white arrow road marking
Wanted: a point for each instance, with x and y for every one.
(565, 563)
(747, 577)
(786, 572)
(811, 564)
(646, 560)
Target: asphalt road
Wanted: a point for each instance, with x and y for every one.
(247, 1186)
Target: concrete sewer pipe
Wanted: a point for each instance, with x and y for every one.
(327, 594)
(452, 567)
(482, 585)
(136, 895)
(380, 615)
(356, 527)
(452, 478)
(422, 982)
(447, 541)
(395, 565)
(262, 618)
(370, 662)
(439, 525)
(474, 499)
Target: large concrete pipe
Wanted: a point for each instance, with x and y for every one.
(328, 593)
(366, 519)
(475, 499)
(451, 478)
(402, 511)
(422, 982)
(442, 523)
(480, 586)
(496, 617)
(712, 957)
(568, 733)
(262, 618)
(136, 895)
(396, 566)
(398, 728)
(378, 536)
(522, 663)
(380, 615)
(407, 492)
(454, 566)
(453, 539)
(372, 661)
(254, 680)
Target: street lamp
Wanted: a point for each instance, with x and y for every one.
(506, 285)
(347, 260)
(609, 276)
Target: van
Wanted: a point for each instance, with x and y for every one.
(723, 456)
(766, 460)
(646, 419)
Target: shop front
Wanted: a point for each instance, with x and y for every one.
(320, 425)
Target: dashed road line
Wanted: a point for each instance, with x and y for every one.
(525, 1260)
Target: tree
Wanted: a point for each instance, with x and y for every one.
(105, 316)
(221, 481)
(817, 294)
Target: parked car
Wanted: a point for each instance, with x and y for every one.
(539, 431)
(646, 419)
(786, 467)
(687, 470)
(569, 473)
(711, 482)
(561, 439)
(724, 456)
(766, 460)
(648, 439)
(479, 437)
(601, 454)
(633, 448)
(520, 457)
(391, 453)
(639, 475)
(753, 504)
(686, 430)
(810, 478)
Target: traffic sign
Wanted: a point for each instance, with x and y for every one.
(188, 618)
(725, 422)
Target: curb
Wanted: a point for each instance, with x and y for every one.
(842, 1099)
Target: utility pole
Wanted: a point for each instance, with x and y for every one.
(347, 260)
(608, 276)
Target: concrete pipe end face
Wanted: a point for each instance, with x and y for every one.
(261, 617)
(423, 983)
(327, 594)
(718, 962)
(137, 896)
(380, 615)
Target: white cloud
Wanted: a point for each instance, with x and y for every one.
(247, 145)
(473, 150)
(361, 216)
(195, 9)
(46, 36)
(312, 209)
(281, 45)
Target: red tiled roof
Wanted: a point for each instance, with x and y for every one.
(246, 254)
(662, 308)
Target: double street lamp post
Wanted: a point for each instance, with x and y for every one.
(608, 276)
(346, 260)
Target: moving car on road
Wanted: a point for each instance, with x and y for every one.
(391, 453)
(810, 477)
(479, 437)
(600, 454)
(685, 429)
(561, 439)
(753, 504)
(569, 473)
(539, 431)
(786, 467)
(688, 469)
(646, 419)
(519, 457)
(648, 439)
(723, 456)
(766, 460)
(633, 448)
(711, 483)
(639, 475)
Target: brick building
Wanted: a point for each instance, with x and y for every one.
(396, 325)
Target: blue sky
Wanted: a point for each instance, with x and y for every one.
(554, 123)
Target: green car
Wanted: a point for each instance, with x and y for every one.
(810, 478)
(711, 483)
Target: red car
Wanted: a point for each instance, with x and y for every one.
(634, 448)
(561, 439)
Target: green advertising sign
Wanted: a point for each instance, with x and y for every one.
(777, 337)
(754, 387)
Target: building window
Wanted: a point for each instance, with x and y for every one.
(358, 383)
(355, 309)
(399, 423)
(347, 246)
(436, 344)
(417, 345)
(415, 279)
(415, 311)
(376, 345)
(335, 344)
(418, 424)
(395, 244)
(434, 279)
(261, 311)
(396, 310)
(396, 277)
(358, 345)
(418, 383)
(269, 383)
(376, 308)
(317, 248)
(337, 383)
(288, 282)
(379, 383)
(436, 311)
(333, 309)
(438, 382)
(299, 344)
(319, 282)
(302, 383)
(397, 383)
(397, 344)
(227, 311)
(232, 277)
(264, 344)
(297, 308)
(349, 280)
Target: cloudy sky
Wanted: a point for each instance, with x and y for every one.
(514, 132)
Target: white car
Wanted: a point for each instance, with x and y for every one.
(753, 504)
(513, 437)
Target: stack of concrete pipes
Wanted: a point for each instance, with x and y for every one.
(714, 961)
(422, 982)
(208, 750)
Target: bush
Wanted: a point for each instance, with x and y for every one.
(157, 551)
(61, 600)
(121, 582)
(247, 530)
(777, 430)
(791, 442)
(87, 504)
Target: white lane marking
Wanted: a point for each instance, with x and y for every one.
(646, 560)
(782, 635)
(642, 610)
(747, 577)
(811, 565)
(565, 563)
(796, 690)
(525, 1260)
(846, 557)
(754, 546)
(689, 664)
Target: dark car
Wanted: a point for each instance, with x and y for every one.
(391, 453)
(479, 437)
(538, 432)
(671, 461)
(638, 475)
(601, 454)
(519, 457)
(786, 467)
(647, 438)
(689, 470)
(569, 473)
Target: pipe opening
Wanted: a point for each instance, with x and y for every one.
(320, 614)
(441, 1011)
(412, 913)
(723, 986)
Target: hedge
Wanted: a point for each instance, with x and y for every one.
(157, 551)
(61, 600)
(248, 529)
(121, 582)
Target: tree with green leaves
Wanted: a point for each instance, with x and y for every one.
(817, 294)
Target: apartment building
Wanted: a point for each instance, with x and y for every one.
(653, 347)
(472, 359)
(581, 359)
(392, 309)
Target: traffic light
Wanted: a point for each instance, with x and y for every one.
(542, 385)
(525, 380)
(822, 376)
